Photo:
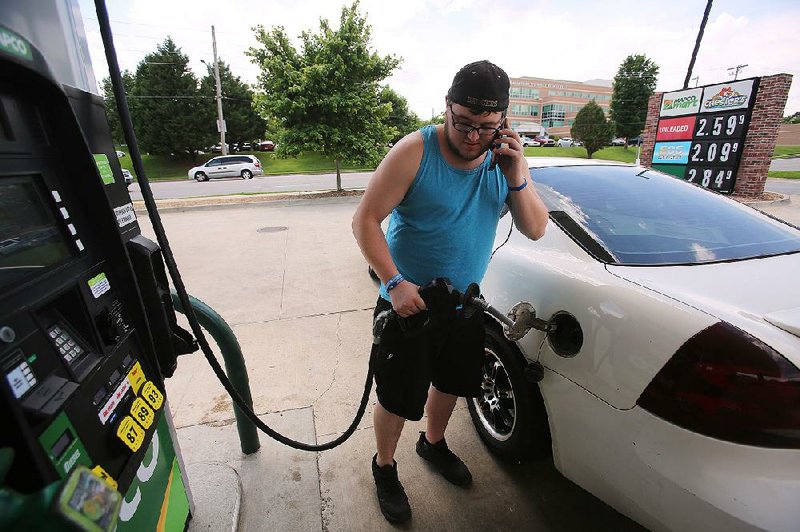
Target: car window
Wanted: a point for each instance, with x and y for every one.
(644, 217)
(229, 160)
(213, 162)
(243, 159)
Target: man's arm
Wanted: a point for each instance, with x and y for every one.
(386, 189)
(527, 208)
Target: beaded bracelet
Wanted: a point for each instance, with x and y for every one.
(394, 281)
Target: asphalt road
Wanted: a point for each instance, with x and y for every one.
(792, 164)
(260, 184)
(294, 183)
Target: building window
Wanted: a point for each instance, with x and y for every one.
(524, 92)
(522, 109)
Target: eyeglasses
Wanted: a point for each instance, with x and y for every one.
(482, 131)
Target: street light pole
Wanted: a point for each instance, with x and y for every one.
(220, 119)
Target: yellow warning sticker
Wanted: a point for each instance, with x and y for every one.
(136, 377)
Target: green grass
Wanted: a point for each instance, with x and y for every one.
(170, 168)
(790, 174)
(786, 151)
(611, 153)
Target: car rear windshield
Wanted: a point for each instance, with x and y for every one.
(644, 217)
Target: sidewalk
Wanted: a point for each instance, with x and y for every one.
(299, 299)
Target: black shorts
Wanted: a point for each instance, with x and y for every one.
(447, 355)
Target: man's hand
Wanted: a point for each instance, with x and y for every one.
(406, 300)
(513, 164)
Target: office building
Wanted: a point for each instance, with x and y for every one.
(548, 106)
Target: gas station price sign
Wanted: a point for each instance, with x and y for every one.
(701, 132)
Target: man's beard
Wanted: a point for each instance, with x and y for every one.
(457, 151)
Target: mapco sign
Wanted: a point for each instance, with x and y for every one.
(681, 102)
(700, 133)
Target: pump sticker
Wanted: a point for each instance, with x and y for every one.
(130, 433)
(104, 167)
(142, 413)
(125, 214)
(102, 473)
(136, 377)
(99, 285)
(13, 44)
(152, 395)
(113, 401)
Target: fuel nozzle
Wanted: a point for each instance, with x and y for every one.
(521, 318)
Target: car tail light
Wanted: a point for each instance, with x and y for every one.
(258, 163)
(727, 384)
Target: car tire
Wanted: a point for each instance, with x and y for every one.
(247, 174)
(200, 176)
(509, 415)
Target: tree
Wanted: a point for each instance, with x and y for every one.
(633, 85)
(592, 128)
(792, 119)
(242, 121)
(166, 107)
(400, 118)
(111, 105)
(326, 96)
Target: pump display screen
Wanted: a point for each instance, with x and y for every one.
(30, 239)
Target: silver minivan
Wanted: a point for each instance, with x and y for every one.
(244, 166)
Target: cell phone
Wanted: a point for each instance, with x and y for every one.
(497, 135)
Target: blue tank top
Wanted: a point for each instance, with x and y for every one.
(446, 224)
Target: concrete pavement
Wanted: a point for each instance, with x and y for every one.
(300, 302)
(289, 279)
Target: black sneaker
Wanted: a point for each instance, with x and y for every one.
(444, 460)
(391, 495)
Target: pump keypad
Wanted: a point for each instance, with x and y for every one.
(65, 344)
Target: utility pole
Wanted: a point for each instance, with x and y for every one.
(735, 71)
(220, 119)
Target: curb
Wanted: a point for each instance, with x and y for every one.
(784, 199)
(222, 202)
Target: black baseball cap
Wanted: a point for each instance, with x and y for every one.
(481, 85)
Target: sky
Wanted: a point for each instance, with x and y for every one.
(577, 40)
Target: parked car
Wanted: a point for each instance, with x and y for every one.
(670, 386)
(546, 141)
(266, 145)
(246, 146)
(217, 148)
(617, 142)
(128, 176)
(244, 166)
(565, 142)
(529, 142)
(636, 141)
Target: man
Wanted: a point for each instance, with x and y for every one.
(446, 198)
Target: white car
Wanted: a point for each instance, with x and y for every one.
(565, 142)
(244, 166)
(670, 388)
(618, 142)
(529, 142)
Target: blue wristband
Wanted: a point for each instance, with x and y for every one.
(394, 281)
(517, 189)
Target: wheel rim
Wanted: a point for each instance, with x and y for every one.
(246, 174)
(496, 406)
(200, 176)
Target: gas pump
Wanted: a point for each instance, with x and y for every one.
(87, 328)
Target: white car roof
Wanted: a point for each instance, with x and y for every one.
(545, 162)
